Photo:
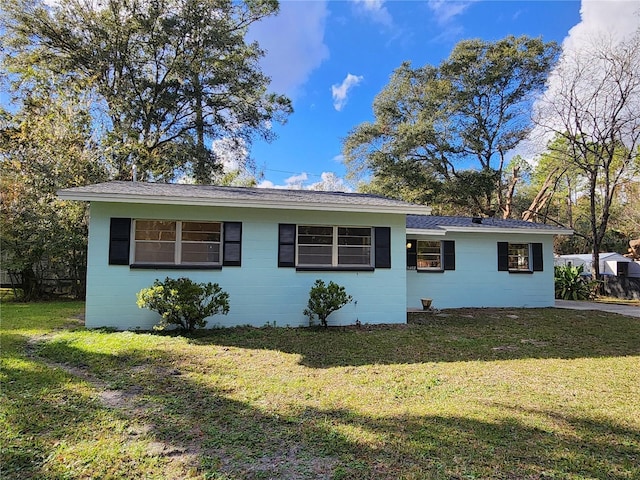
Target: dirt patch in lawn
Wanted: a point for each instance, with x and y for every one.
(129, 403)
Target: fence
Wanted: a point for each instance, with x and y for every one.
(621, 287)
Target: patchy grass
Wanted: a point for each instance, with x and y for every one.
(470, 394)
(7, 294)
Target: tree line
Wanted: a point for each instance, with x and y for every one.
(98, 87)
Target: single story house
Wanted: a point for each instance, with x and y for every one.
(266, 248)
(611, 263)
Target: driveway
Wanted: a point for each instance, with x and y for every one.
(628, 310)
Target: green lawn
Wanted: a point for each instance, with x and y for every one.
(512, 394)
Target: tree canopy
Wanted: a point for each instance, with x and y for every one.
(168, 76)
(45, 146)
(442, 133)
(592, 109)
(168, 86)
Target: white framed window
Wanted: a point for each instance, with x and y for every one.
(519, 257)
(429, 255)
(333, 246)
(168, 242)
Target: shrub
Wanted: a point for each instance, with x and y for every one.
(324, 300)
(570, 284)
(184, 303)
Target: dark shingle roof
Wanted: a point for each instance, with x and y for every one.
(166, 193)
(432, 222)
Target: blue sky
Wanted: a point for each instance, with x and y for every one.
(332, 58)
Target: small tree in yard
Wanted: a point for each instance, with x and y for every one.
(324, 300)
(184, 303)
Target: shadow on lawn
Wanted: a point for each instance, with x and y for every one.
(485, 336)
(228, 438)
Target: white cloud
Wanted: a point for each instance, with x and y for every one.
(296, 182)
(618, 18)
(340, 91)
(294, 44)
(613, 20)
(375, 10)
(329, 182)
(447, 10)
(266, 184)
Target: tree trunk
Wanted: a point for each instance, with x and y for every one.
(201, 171)
(31, 287)
(541, 198)
(508, 198)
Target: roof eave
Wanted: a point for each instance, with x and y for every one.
(262, 203)
(425, 231)
(533, 231)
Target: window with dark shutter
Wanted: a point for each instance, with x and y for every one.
(383, 247)
(184, 244)
(232, 249)
(119, 241)
(286, 245)
(520, 257)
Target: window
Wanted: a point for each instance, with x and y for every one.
(429, 255)
(174, 244)
(163, 242)
(332, 246)
(520, 257)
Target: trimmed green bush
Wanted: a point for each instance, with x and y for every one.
(184, 303)
(324, 300)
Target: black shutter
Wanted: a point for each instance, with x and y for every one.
(383, 247)
(286, 245)
(412, 254)
(119, 241)
(536, 253)
(503, 256)
(449, 254)
(232, 248)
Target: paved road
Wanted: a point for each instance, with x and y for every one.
(628, 310)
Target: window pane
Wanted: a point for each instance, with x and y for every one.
(314, 235)
(518, 256)
(155, 241)
(354, 246)
(354, 236)
(200, 252)
(200, 231)
(154, 252)
(354, 255)
(155, 230)
(429, 254)
(314, 255)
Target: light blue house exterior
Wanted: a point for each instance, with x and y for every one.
(264, 287)
(477, 279)
(267, 247)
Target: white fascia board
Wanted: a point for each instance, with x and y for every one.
(208, 202)
(532, 231)
(424, 231)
